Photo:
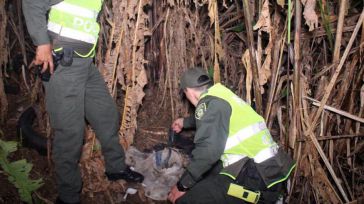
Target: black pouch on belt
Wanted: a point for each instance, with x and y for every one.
(250, 179)
(248, 184)
(67, 58)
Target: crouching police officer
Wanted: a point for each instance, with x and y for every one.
(75, 90)
(235, 159)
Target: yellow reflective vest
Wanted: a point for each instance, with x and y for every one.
(76, 19)
(249, 138)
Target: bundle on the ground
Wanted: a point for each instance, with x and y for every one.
(161, 170)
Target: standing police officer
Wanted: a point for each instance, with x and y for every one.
(75, 90)
(235, 159)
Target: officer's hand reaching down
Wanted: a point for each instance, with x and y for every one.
(177, 125)
(44, 57)
(175, 194)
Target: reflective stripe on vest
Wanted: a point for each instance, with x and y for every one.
(244, 134)
(248, 134)
(76, 19)
(228, 159)
(265, 154)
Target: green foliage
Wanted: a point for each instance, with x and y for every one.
(210, 72)
(289, 22)
(285, 92)
(238, 28)
(18, 172)
(324, 10)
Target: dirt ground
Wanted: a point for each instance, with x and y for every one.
(153, 124)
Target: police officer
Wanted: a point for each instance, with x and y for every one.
(75, 91)
(235, 159)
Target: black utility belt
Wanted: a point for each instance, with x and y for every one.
(69, 52)
(64, 56)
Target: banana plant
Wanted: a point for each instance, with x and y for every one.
(18, 172)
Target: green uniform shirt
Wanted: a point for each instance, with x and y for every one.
(36, 14)
(211, 120)
(212, 117)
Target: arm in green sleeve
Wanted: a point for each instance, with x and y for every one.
(210, 140)
(35, 13)
(189, 122)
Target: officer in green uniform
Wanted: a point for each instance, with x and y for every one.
(235, 159)
(75, 91)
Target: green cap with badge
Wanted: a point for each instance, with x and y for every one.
(194, 77)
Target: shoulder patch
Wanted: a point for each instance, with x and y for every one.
(200, 111)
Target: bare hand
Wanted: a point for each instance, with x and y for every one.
(175, 194)
(177, 125)
(44, 57)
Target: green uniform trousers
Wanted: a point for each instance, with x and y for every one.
(73, 94)
(212, 190)
(214, 187)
